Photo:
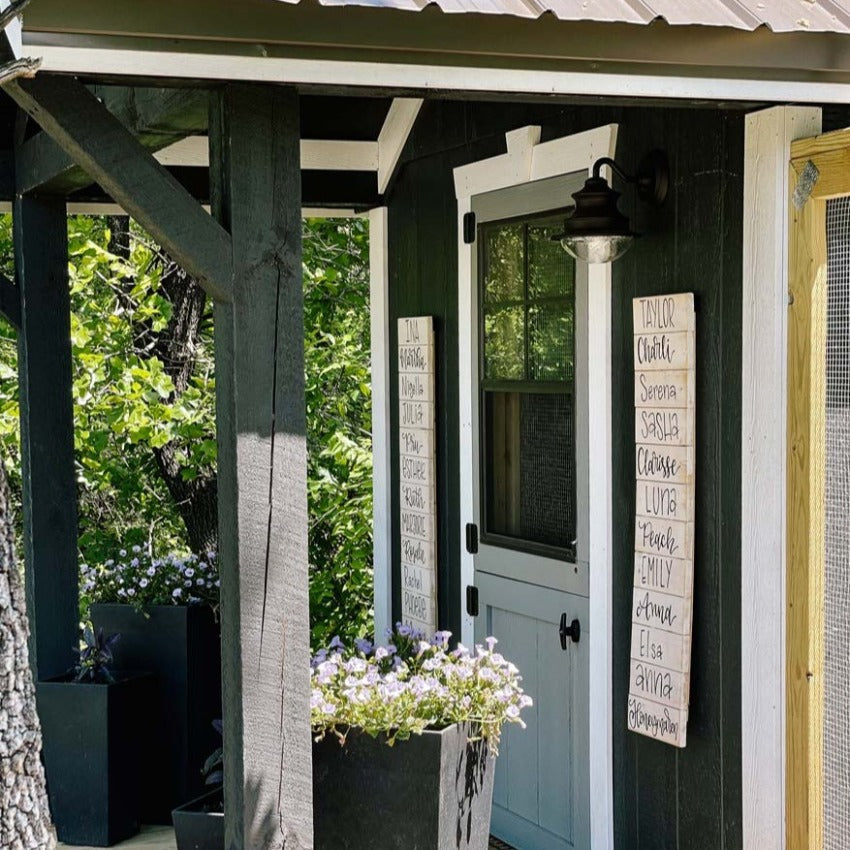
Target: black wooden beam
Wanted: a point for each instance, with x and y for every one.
(326, 189)
(47, 433)
(99, 143)
(156, 117)
(262, 469)
(10, 302)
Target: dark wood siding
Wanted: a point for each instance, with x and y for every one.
(664, 798)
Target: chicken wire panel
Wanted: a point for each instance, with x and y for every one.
(836, 747)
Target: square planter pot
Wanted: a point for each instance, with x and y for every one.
(94, 736)
(431, 792)
(181, 645)
(199, 825)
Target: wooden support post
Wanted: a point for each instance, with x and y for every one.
(263, 472)
(47, 432)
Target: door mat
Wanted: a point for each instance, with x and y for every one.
(495, 844)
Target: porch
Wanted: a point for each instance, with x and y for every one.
(162, 838)
(167, 113)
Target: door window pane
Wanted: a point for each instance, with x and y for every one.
(550, 342)
(530, 478)
(504, 264)
(504, 343)
(527, 304)
(551, 271)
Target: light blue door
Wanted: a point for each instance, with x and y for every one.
(531, 567)
(540, 798)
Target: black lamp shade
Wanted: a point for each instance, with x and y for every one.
(596, 232)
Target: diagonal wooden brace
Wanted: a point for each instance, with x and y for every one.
(99, 143)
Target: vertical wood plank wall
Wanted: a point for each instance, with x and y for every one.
(690, 799)
(47, 433)
(261, 423)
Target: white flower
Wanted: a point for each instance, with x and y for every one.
(143, 582)
(178, 591)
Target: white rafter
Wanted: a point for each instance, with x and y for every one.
(381, 156)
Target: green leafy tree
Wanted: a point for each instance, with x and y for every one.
(144, 405)
(339, 412)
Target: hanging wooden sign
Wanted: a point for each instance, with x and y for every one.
(662, 608)
(417, 468)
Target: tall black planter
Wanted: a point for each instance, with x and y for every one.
(432, 792)
(182, 646)
(199, 825)
(94, 736)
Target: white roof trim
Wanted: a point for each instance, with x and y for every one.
(202, 66)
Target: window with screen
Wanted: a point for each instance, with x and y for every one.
(527, 309)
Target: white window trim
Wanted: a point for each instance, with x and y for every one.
(527, 160)
(768, 138)
(381, 460)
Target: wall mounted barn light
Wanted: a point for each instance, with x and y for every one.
(597, 232)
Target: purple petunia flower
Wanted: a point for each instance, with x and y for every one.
(363, 645)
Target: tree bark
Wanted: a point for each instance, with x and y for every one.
(175, 346)
(197, 498)
(25, 822)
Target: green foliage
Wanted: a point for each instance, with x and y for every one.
(123, 403)
(124, 407)
(339, 411)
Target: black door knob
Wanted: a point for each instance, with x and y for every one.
(573, 631)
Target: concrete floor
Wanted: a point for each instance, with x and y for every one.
(162, 838)
(150, 838)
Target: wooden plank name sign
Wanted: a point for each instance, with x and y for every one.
(417, 467)
(659, 676)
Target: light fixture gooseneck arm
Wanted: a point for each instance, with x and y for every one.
(606, 160)
(652, 177)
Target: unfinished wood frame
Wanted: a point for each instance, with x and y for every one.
(818, 172)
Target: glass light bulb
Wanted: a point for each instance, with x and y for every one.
(597, 249)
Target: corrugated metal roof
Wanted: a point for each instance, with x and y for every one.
(778, 15)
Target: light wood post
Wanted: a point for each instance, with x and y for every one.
(47, 432)
(806, 522)
(254, 133)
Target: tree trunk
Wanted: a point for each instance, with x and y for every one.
(196, 499)
(25, 822)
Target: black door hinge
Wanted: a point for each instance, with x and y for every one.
(469, 228)
(472, 600)
(472, 538)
